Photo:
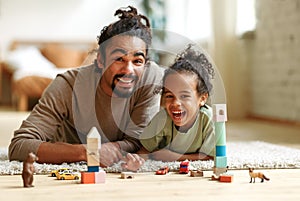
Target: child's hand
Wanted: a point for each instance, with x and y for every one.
(132, 162)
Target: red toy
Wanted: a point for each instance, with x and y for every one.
(163, 170)
(184, 167)
(226, 178)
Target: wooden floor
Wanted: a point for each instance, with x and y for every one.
(284, 183)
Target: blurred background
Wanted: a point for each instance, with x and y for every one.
(254, 44)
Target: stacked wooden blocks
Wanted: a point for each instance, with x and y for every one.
(94, 173)
(220, 117)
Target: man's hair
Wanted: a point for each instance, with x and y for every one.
(194, 62)
(130, 23)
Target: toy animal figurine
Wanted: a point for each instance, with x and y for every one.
(28, 170)
(254, 175)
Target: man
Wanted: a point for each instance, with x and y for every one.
(115, 94)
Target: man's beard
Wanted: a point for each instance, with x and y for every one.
(123, 92)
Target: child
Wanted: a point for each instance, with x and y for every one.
(184, 128)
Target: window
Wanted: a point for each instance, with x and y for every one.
(245, 19)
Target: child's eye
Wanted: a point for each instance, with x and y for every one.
(184, 96)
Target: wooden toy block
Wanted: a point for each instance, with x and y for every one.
(218, 171)
(87, 177)
(196, 173)
(127, 175)
(221, 161)
(93, 146)
(226, 178)
(219, 113)
(220, 133)
(93, 169)
(93, 157)
(215, 177)
(100, 177)
(220, 150)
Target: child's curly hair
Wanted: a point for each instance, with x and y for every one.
(130, 23)
(193, 61)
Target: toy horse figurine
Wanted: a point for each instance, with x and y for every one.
(28, 170)
(260, 175)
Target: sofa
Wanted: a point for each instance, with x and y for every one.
(34, 64)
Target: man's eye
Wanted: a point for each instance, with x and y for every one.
(168, 96)
(139, 61)
(119, 59)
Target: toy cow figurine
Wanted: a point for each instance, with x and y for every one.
(28, 170)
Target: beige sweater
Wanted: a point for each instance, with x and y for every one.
(74, 103)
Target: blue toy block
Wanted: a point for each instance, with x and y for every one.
(220, 150)
(220, 161)
(93, 169)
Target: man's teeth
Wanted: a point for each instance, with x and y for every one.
(126, 80)
(177, 112)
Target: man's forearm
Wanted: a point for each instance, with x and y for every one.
(61, 152)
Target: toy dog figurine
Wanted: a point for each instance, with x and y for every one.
(260, 175)
(28, 170)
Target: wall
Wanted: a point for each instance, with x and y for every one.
(55, 19)
(275, 68)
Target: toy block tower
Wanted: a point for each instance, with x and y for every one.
(220, 117)
(94, 174)
(92, 150)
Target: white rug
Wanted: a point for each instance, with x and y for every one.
(241, 155)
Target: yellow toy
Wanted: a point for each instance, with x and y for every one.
(68, 175)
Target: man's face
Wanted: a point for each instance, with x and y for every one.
(125, 58)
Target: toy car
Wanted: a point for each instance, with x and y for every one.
(163, 170)
(184, 167)
(54, 173)
(68, 175)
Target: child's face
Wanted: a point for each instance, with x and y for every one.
(181, 99)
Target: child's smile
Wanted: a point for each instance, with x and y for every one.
(178, 115)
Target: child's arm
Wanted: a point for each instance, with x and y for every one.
(132, 162)
(144, 153)
(167, 155)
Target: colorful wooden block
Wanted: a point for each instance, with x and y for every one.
(221, 161)
(87, 177)
(220, 150)
(127, 175)
(220, 133)
(100, 177)
(218, 171)
(219, 113)
(215, 177)
(226, 178)
(93, 169)
(93, 146)
(196, 173)
(93, 177)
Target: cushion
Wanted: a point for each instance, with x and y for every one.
(63, 57)
(28, 57)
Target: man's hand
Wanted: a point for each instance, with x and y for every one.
(110, 153)
(132, 162)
